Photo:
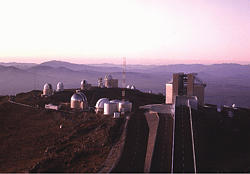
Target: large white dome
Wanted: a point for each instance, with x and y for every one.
(79, 97)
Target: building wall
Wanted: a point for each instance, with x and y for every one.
(190, 86)
(169, 93)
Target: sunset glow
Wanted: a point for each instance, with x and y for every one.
(146, 32)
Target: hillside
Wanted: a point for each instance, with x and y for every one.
(32, 140)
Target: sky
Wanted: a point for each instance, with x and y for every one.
(143, 31)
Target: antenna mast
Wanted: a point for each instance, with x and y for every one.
(123, 77)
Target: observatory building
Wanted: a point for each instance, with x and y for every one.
(47, 89)
(109, 82)
(59, 87)
(112, 107)
(78, 101)
(185, 85)
(85, 85)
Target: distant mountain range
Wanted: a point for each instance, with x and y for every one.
(226, 83)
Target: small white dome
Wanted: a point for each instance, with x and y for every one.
(128, 86)
(84, 82)
(100, 102)
(47, 86)
(132, 87)
(59, 86)
(108, 77)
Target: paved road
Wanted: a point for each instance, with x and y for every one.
(183, 148)
(162, 156)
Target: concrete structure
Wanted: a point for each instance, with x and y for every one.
(188, 85)
(78, 101)
(109, 82)
(153, 122)
(99, 107)
(47, 89)
(59, 87)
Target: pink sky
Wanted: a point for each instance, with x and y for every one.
(146, 32)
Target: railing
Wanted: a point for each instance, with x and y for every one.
(192, 135)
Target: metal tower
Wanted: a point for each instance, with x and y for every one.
(123, 77)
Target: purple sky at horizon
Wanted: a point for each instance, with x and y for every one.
(143, 31)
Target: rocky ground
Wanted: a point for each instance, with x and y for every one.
(37, 140)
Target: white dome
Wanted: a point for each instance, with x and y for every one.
(83, 82)
(128, 86)
(47, 86)
(59, 86)
(132, 87)
(108, 77)
(100, 102)
(79, 97)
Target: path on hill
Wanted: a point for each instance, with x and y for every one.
(30, 106)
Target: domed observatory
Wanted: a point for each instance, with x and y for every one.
(59, 87)
(109, 82)
(99, 107)
(47, 89)
(84, 84)
(79, 101)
